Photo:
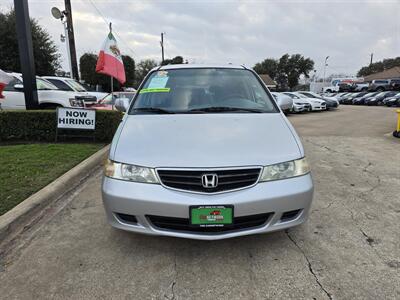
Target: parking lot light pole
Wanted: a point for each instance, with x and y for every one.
(325, 65)
(26, 58)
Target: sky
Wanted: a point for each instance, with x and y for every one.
(237, 32)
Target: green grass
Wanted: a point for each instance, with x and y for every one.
(25, 169)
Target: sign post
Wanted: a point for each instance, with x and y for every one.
(75, 119)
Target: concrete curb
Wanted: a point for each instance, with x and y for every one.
(16, 217)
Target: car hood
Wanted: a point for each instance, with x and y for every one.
(205, 140)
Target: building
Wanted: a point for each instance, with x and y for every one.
(269, 82)
(387, 74)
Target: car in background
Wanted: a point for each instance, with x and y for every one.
(49, 95)
(348, 99)
(394, 84)
(331, 102)
(379, 85)
(392, 101)
(108, 102)
(379, 98)
(360, 87)
(284, 101)
(299, 104)
(361, 100)
(69, 84)
(316, 104)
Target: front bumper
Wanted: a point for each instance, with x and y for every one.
(144, 200)
(315, 107)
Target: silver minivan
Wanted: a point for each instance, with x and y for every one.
(204, 152)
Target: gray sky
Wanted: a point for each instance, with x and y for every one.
(240, 32)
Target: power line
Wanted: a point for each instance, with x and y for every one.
(114, 31)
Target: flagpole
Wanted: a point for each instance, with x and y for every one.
(112, 81)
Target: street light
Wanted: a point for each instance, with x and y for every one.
(59, 15)
(325, 65)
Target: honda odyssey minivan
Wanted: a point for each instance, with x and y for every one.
(204, 152)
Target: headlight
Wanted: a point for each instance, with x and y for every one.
(129, 172)
(75, 102)
(285, 170)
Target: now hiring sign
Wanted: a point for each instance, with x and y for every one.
(73, 118)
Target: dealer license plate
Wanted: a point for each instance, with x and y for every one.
(211, 215)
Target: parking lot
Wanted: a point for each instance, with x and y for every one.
(349, 248)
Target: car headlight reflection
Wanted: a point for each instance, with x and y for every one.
(284, 170)
(129, 172)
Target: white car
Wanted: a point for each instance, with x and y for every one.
(299, 104)
(49, 95)
(69, 84)
(284, 101)
(316, 104)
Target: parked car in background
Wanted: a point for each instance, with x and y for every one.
(299, 104)
(393, 100)
(331, 102)
(348, 99)
(361, 100)
(69, 84)
(49, 95)
(379, 85)
(284, 101)
(316, 104)
(379, 98)
(108, 102)
(360, 87)
(394, 84)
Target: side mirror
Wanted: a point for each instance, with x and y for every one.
(122, 104)
(18, 86)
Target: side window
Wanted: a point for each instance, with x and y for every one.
(10, 85)
(61, 85)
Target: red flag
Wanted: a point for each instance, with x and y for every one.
(4, 80)
(110, 60)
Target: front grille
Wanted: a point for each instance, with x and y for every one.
(183, 224)
(192, 180)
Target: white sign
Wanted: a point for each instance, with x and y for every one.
(74, 118)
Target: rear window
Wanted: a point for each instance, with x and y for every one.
(184, 90)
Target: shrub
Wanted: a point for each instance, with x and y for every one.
(40, 125)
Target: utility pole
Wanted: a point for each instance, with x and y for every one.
(71, 40)
(372, 56)
(162, 47)
(26, 58)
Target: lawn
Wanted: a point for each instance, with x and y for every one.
(25, 169)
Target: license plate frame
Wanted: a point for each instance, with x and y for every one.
(196, 218)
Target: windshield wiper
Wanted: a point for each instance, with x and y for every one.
(153, 110)
(217, 109)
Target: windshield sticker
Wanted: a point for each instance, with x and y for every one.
(155, 90)
(162, 73)
(158, 82)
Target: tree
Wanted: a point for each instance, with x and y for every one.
(267, 66)
(143, 68)
(379, 66)
(47, 58)
(287, 70)
(175, 61)
(87, 65)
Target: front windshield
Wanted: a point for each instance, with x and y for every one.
(76, 86)
(45, 85)
(202, 90)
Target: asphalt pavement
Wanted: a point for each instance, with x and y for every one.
(349, 248)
